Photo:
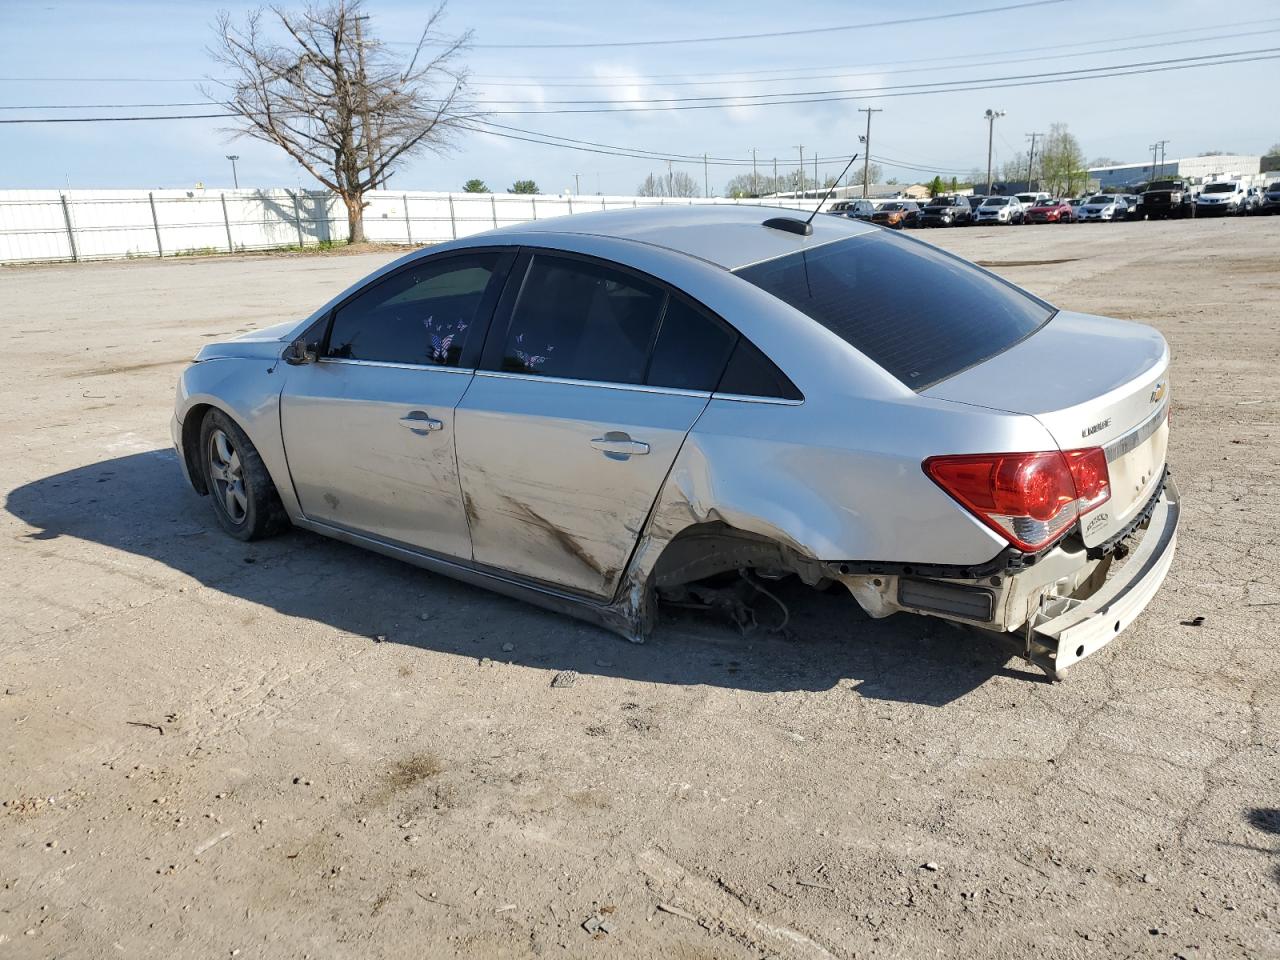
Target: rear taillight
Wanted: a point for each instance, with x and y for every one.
(1028, 498)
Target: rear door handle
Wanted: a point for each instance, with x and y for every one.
(421, 422)
(619, 446)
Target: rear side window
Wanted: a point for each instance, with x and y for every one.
(691, 350)
(919, 313)
(421, 315)
(582, 321)
(751, 374)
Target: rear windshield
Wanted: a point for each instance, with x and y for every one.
(921, 314)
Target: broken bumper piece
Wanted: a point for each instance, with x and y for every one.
(1068, 629)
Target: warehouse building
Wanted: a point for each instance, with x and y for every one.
(1188, 168)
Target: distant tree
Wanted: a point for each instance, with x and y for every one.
(1013, 169)
(1062, 167)
(893, 181)
(673, 184)
(955, 184)
(1274, 150)
(1105, 162)
(476, 186)
(873, 174)
(524, 186)
(335, 98)
(936, 186)
(1213, 153)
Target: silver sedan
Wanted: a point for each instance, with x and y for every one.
(598, 412)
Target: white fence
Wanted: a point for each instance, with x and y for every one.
(53, 225)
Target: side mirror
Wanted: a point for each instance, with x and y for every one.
(300, 352)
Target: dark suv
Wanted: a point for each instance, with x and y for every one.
(1168, 198)
(946, 212)
(1271, 199)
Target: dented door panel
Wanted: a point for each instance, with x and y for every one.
(556, 477)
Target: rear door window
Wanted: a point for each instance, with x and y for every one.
(692, 348)
(921, 314)
(582, 320)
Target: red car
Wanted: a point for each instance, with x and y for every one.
(1052, 211)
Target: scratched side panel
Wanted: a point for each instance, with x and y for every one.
(542, 502)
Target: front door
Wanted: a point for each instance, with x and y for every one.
(592, 378)
(369, 428)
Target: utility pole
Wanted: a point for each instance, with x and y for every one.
(817, 184)
(577, 185)
(866, 153)
(801, 190)
(234, 178)
(706, 178)
(1155, 150)
(1031, 158)
(755, 189)
(992, 116)
(1159, 144)
(671, 181)
(775, 175)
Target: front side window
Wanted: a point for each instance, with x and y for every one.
(421, 315)
(582, 321)
(918, 312)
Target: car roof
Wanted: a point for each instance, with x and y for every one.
(728, 235)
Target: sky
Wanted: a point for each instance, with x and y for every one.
(80, 54)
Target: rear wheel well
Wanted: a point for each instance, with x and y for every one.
(707, 549)
(191, 425)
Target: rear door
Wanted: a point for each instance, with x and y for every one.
(369, 428)
(591, 378)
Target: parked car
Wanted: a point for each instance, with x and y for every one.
(1052, 211)
(1168, 198)
(1104, 207)
(911, 219)
(1221, 198)
(1133, 203)
(1029, 200)
(1252, 203)
(1271, 198)
(593, 412)
(974, 203)
(860, 209)
(946, 212)
(1000, 210)
(893, 214)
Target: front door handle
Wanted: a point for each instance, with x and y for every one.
(619, 446)
(421, 422)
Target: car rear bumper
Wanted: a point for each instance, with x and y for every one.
(1071, 628)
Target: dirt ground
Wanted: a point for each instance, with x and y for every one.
(207, 752)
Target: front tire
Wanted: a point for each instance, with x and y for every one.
(245, 501)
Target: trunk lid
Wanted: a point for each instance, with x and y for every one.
(1092, 382)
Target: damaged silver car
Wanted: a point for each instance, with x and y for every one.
(596, 412)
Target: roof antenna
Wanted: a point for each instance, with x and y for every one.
(805, 227)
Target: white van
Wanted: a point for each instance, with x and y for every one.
(1221, 197)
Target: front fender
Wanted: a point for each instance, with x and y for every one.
(246, 389)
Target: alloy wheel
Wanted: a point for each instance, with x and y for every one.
(225, 471)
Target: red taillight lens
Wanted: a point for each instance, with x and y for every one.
(1028, 498)
(1091, 477)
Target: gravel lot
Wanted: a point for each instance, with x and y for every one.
(207, 753)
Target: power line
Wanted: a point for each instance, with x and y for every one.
(762, 36)
(960, 86)
(883, 63)
(956, 86)
(833, 91)
(641, 81)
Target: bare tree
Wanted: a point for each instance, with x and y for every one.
(337, 101)
(671, 184)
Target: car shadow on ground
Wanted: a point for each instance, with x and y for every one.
(140, 504)
(1267, 819)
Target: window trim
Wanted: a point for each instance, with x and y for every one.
(468, 360)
